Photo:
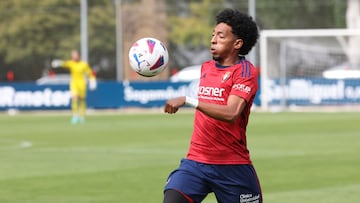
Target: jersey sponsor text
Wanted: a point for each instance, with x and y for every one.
(242, 88)
(211, 91)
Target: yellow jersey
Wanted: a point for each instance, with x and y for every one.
(78, 71)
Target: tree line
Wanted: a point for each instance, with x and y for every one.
(33, 33)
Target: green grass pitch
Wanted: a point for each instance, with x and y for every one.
(299, 157)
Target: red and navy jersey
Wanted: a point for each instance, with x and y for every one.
(218, 142)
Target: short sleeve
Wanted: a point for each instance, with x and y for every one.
(245, 81)
(66, 64)
(89, 71)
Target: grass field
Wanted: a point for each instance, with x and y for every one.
(299, 157)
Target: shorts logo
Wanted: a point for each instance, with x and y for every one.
(242, 88)
(168, 180)
(249, 198)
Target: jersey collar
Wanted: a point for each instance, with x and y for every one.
(241, 58)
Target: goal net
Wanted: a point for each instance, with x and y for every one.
(309, 68)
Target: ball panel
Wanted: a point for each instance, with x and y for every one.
(158, 64)
(151, 44)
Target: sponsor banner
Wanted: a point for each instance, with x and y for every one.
(299, 91)
(30, 96)
(155, 94)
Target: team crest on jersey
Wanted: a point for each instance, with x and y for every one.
(226, 76)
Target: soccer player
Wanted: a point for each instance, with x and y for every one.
(78, 71)
(218, 159)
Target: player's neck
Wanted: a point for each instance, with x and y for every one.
(229, 61)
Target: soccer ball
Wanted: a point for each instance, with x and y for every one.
(148, 57)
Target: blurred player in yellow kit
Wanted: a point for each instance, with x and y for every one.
(78, 70)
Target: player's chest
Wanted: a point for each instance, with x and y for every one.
(220, 79)
(79, 68)
(215, 86)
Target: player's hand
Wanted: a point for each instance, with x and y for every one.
(56, 63)
(92, 84)
(173, 105)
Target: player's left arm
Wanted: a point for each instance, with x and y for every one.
(92, 78)
(228, 113)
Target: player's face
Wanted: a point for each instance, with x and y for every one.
(224, 43)
(75, 56)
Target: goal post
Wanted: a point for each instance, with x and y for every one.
(309, 67)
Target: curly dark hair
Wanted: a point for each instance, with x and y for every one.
(243, 26)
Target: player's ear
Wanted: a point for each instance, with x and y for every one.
(238, 43)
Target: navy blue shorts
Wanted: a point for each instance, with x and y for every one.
(230, 183)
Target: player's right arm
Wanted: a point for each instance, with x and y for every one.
(243, 89)
(57, 63)
(228, 113)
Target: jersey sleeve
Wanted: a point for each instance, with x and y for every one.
(66, 64)
(245, 81)
(89, 72)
